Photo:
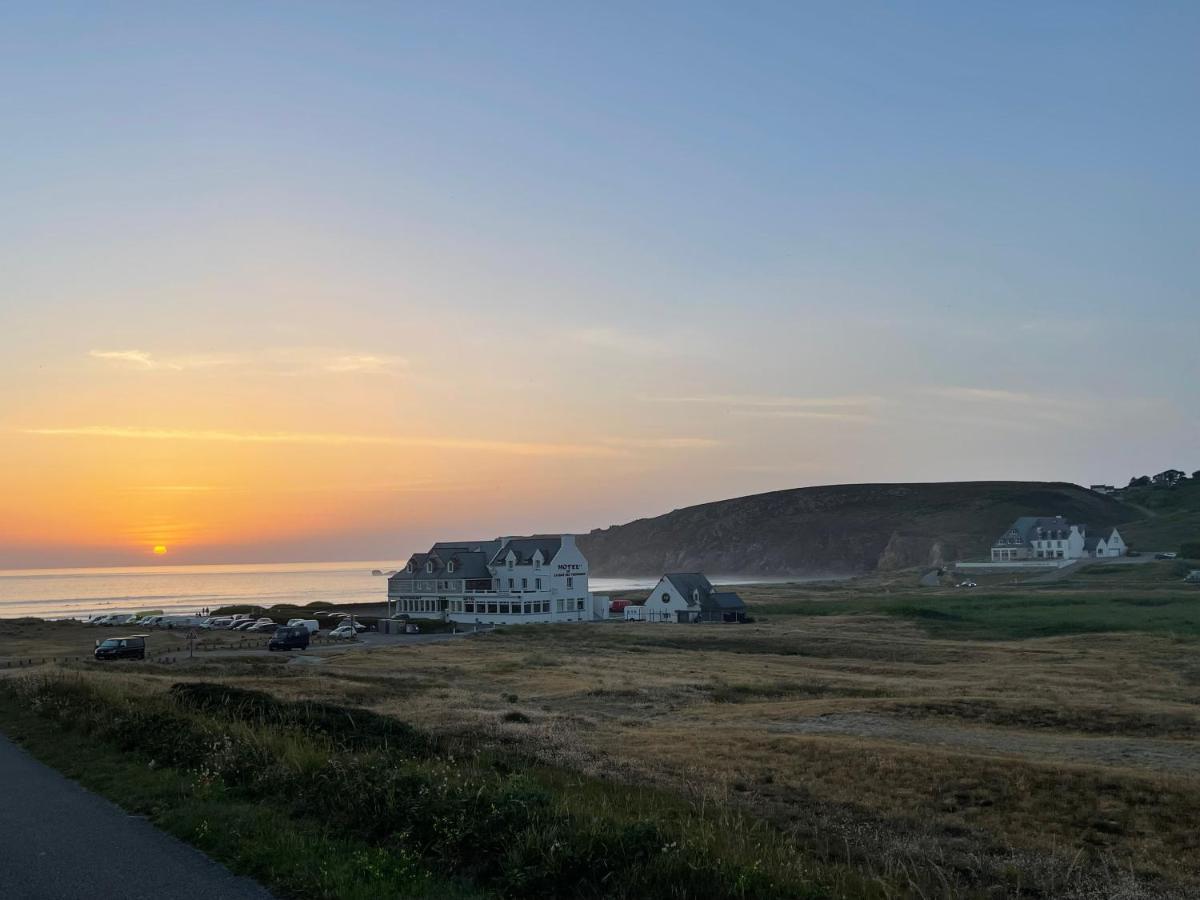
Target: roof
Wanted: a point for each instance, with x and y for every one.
(687, 582)
(1027, 527)
(525, 548)
(725, 600)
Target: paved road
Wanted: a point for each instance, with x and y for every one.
(59, 842)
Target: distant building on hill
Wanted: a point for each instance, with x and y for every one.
(1053, 537)
(506, 581)
(1103, 488)
(690, 597)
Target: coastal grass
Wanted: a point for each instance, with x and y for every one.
(412, 805)
(292, 856)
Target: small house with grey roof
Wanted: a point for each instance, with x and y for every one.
(506, 581)
(690, 597)
(1054, 538)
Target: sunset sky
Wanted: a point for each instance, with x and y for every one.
(293, 281)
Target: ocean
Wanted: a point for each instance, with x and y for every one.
(78, 593)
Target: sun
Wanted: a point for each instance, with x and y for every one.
(159, 550)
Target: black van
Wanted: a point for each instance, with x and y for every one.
(289, 637)
(133, 647)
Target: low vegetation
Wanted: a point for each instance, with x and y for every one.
(870, 738)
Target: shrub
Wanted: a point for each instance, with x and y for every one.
(1190, 550)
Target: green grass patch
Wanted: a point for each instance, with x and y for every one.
(1024, 613)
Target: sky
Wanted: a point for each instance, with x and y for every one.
(303, 281)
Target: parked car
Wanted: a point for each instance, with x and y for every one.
(312, 625)
(132, 647)
(344, 632)
(263, 627)
(966, 584)
(289, 637)
(348, 622)
(1166, 555)
(243, 626)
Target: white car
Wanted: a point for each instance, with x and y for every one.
(343, 632)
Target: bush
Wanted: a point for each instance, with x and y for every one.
(1190, 550)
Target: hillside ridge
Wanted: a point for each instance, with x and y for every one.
(841, 529)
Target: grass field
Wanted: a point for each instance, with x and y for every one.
(1006, 741)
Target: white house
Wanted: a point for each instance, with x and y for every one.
(506, 581)
(1104, 542)
(1053, 537)
(690, 597)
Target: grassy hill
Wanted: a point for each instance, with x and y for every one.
(841, 529)
(1168, 516)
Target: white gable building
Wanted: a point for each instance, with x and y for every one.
(1053, 537)
(502, 582)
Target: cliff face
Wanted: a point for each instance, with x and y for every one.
(838, 529)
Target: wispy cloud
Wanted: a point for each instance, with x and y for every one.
(518, 448)
(849, 408)
(367, 363)
(141, 359)
(664, 443)
(825, 414)
(613, 341)
(272, 360)
(770, 401)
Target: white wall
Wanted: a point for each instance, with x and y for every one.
(655, 610)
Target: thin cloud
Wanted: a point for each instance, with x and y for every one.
(767, 401)
(366, 363)
(286, 361)
(664, 443)
(613, 341)
(518, 448)
(827, 415)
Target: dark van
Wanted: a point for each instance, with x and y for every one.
(133, 647)
(289, 637)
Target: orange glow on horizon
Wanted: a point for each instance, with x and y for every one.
(159, 550)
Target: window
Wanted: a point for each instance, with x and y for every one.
(537, 564)
(469, 606)
(504, 609)
(510, 563)
(491, 608)
(510, 584)
(409, 568)
(450, 566)
(666, 598)
(559, 607)
(570, 581)
(524, 584)
(537, 584)
(429, 566)
(580, 602)
(528, 608)
(545, 606)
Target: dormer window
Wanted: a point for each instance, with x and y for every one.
(409, 568)
(450, 566)
(696, 595)
(429, 567)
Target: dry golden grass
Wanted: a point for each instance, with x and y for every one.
(1067, 765)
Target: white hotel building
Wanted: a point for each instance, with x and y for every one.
(507, 581)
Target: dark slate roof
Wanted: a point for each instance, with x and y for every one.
(724, 601)
(469, 564)
(1027, 527)
(524, 548)
(686, 582)
(1089, 543)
